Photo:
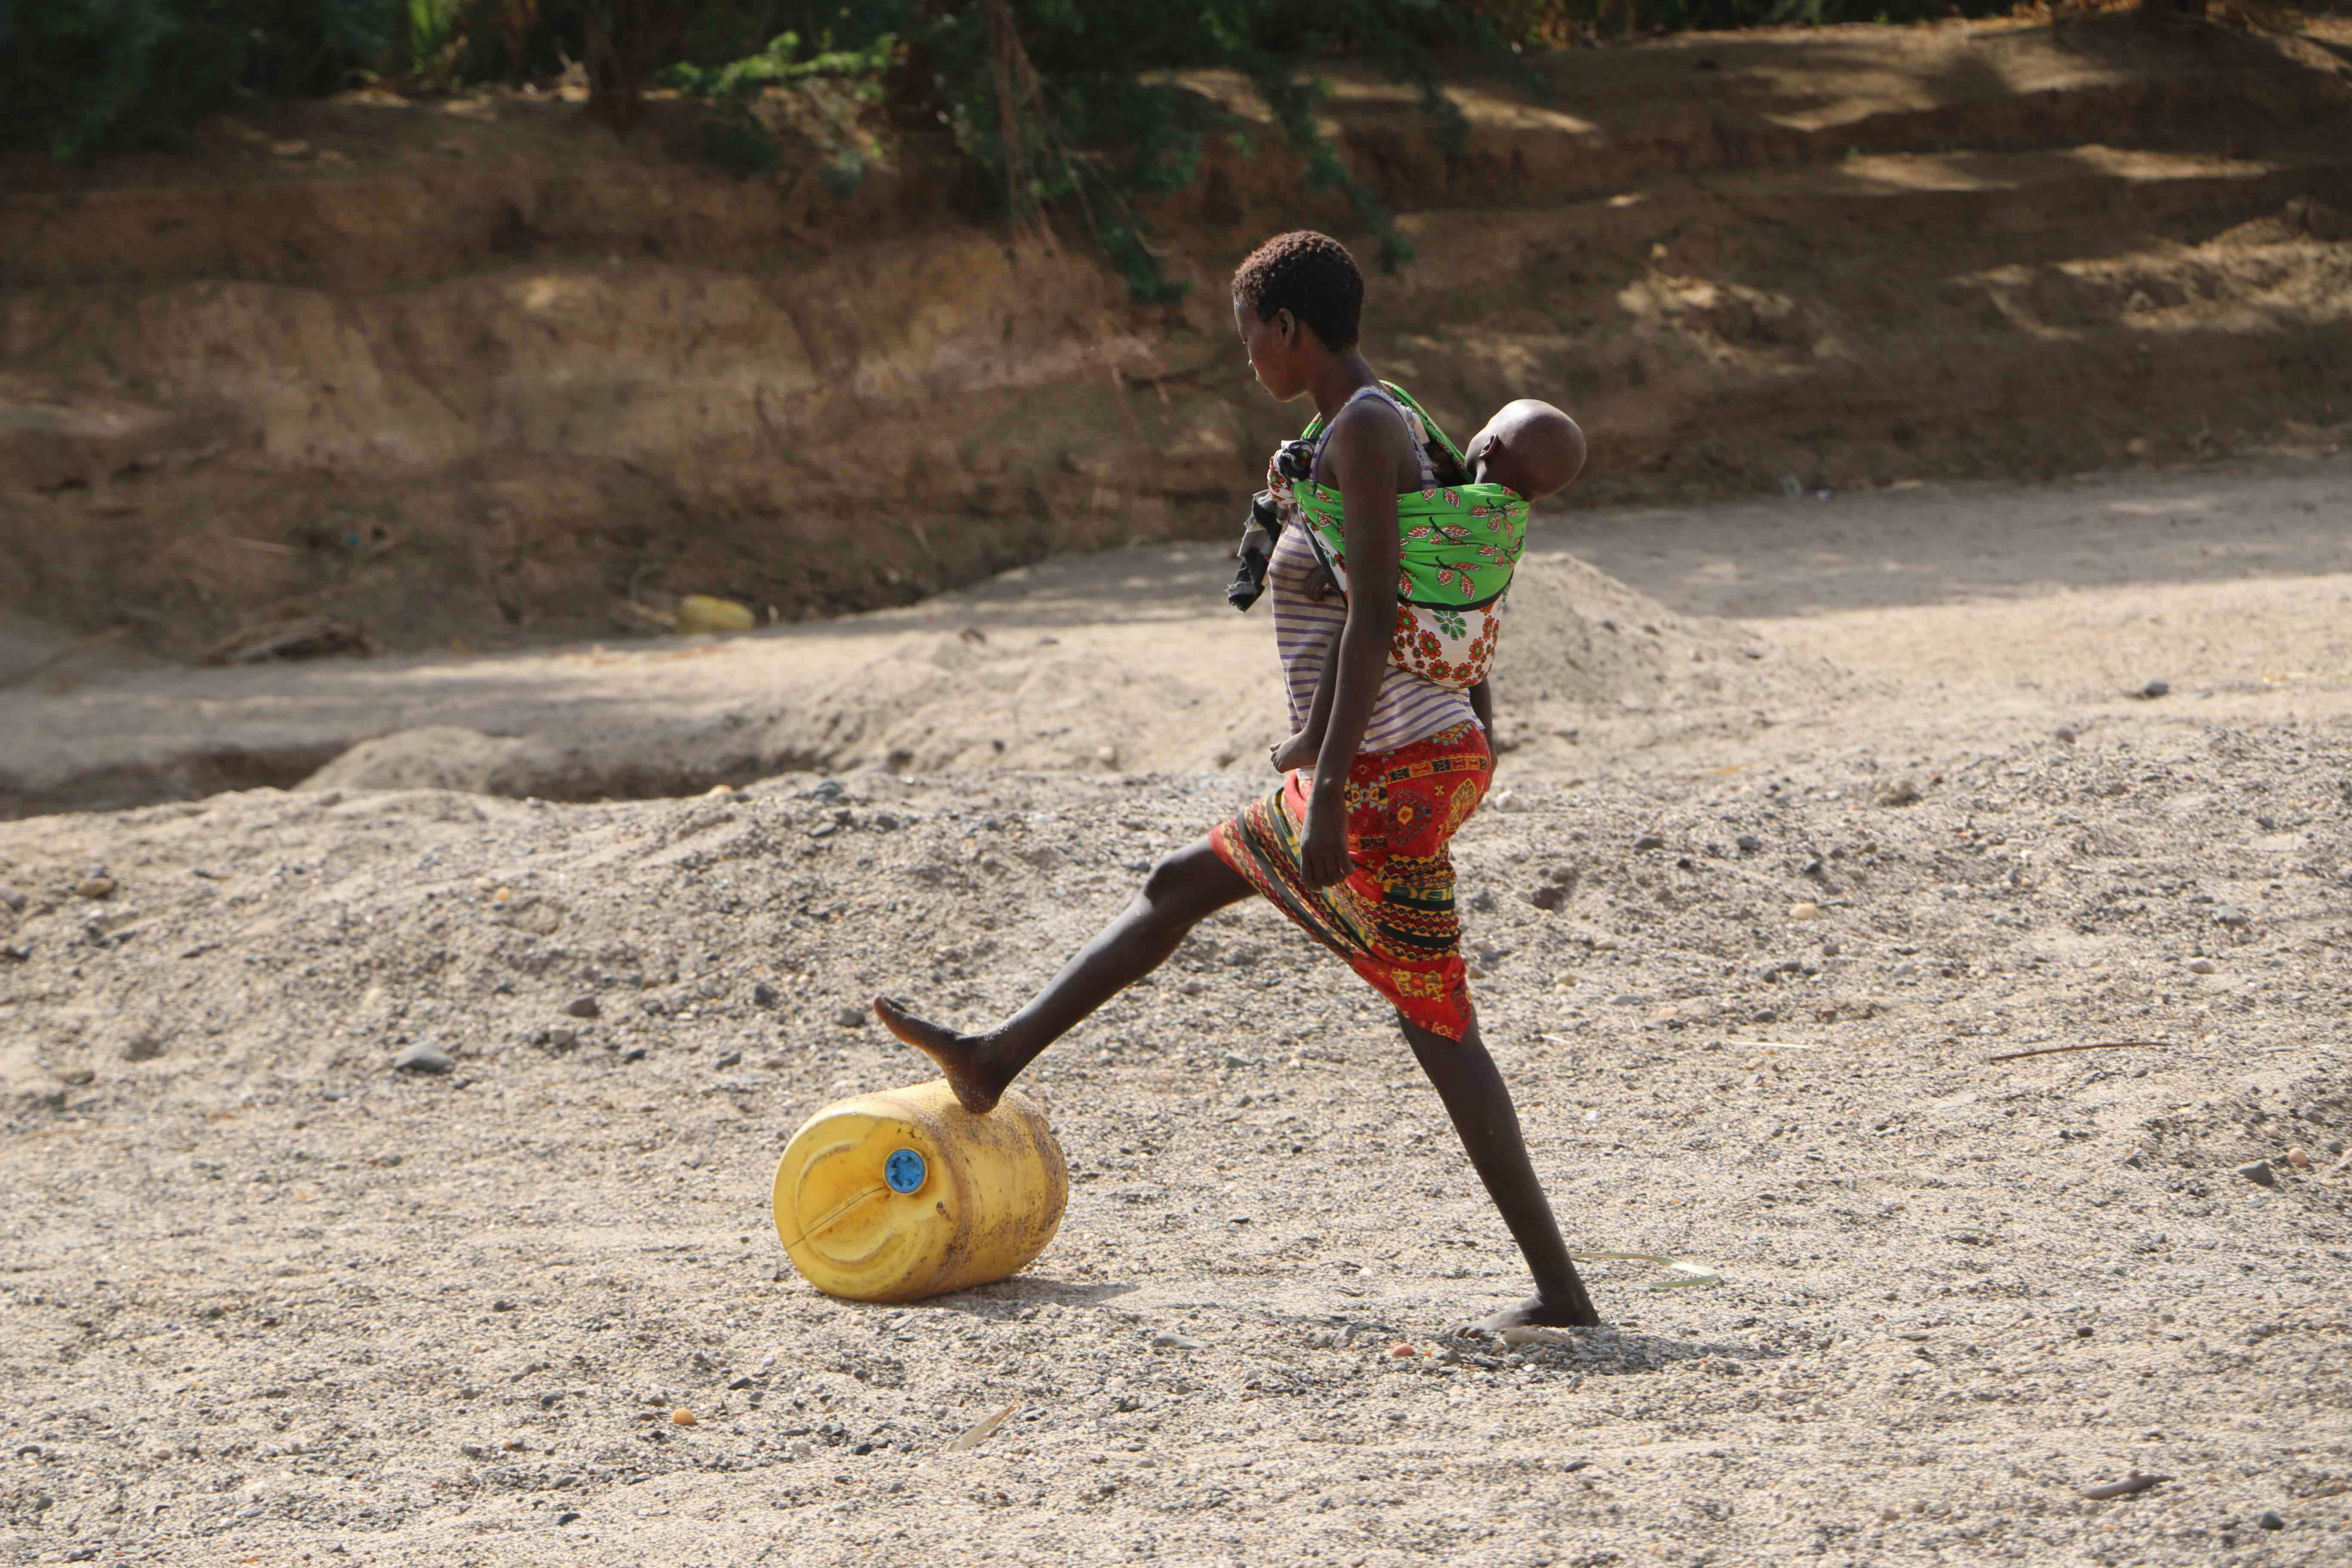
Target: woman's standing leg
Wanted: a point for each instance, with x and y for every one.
(1480, 1105)
(1182, 890)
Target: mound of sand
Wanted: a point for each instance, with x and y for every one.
(1126, 662)
(438, 756)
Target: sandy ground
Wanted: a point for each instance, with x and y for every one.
(268, 1301)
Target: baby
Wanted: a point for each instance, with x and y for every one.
(1527, 446)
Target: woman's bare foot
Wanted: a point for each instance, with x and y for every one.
(1535, 1311)
(959, 1055)
(1299, 752)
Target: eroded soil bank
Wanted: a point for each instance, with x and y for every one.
(466, 371)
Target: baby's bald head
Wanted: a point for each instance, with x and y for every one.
(1529, 446)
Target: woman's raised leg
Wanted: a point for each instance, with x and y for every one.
(1475, 1098)
(1183, 890)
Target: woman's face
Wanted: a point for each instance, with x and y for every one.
(1273, 344)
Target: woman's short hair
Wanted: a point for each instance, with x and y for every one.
(1311, 276)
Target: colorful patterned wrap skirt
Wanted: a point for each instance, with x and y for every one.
(1392, 920)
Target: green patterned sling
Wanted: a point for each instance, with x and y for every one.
(1458, 547)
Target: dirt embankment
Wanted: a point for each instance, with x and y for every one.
(462, 371)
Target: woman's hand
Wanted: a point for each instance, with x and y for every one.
(1299, 752)
(1323, 858)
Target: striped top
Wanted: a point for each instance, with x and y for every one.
(1308, 615)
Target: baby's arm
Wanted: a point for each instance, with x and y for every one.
(1482, 703)
(1301, 750)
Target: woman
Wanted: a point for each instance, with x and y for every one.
(1355, 852)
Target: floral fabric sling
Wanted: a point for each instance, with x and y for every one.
(1458, 547)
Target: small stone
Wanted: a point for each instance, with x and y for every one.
(2231, 915)
(95, 888)
(1804, 911)
(2259, 1173)
(1107, 755)
(561, 1039)
(2202, 966)
(2154, 688)
(422, 1057)
(634, 1054)
(1648, 841)
(1748, 843)
(11, 899)
(2067, 733)
(682, 1417)
(1170, 1339)
(1235, 1060)
(1898, 791)
(584, 1007)
(727, 1060)
(849, 1018)
(800, 1448)
(764, 995)
(501, 1304)
(566, 1517)
(2299, 1157)
(1402, 1349)
(2269, 1520)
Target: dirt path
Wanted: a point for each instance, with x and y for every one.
(1131, 661)
(268, 1298)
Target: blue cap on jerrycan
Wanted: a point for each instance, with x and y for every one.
(903, 1194)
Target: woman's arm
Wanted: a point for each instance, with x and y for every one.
(1482, 703)
(1369, 448)
(1301, 750)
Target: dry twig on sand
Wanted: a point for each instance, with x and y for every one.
(2099, 1045)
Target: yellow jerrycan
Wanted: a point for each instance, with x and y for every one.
(904, 1194)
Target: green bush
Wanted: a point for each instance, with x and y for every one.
(87, 76)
